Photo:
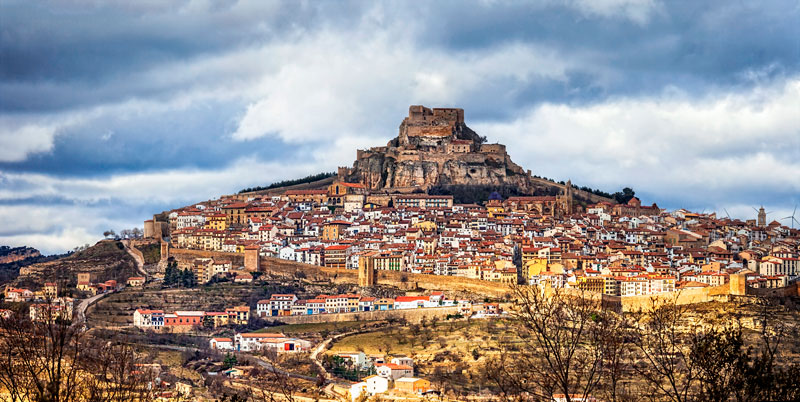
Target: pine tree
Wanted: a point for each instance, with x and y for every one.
(169, 275)
(230, 361)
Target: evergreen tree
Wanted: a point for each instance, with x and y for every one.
(170, 275)
(625, 195)
(187, 278)
(230, 361)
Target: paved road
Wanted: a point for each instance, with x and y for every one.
(80, 312)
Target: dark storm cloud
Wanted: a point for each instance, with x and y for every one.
(689, 44)
(62, 55)
(193, 137)
(100, 96)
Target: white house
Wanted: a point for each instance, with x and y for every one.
(262, 308)
(376, 384)
(221, 343)
(247, 342)
(357, 389)
(359, 359)
(403, 361)
(286, 345)
(287, 253)
(280, 304)
(148, 319)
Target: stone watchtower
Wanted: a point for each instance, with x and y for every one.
(164, 249)
(738, 284)
(366, 271)
(252, 260)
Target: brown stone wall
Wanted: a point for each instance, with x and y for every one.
(493, 149)
(401, 280)
(689, 296)
(789, 291)
(411, 315)
(182, 254)
(429, 131)
(165, 250)
(251, 260)
(135, 250)
(455, 115)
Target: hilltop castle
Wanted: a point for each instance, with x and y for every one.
(435, 147)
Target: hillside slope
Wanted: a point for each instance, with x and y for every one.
(105, 260)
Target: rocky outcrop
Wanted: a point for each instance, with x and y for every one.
(9, 254)
(435, 147)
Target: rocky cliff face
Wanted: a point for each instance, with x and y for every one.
(435, 147)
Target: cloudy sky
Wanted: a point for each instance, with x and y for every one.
(113, 110)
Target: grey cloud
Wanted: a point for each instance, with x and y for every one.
(174, 82)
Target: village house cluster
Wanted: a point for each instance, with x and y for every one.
(49, 291)
(279, 305)
(396, 376)
(259, 341)
(86, 283)
(619, 250)
(289, 304)
(184, 321)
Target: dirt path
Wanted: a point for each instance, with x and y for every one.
(136, 257)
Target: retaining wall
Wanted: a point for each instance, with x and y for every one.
(402, 280)
(409, 281)
(410, 315)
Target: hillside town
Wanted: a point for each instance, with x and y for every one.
(623, 250)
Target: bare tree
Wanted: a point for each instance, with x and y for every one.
(38, 358)
(112, 372)
(662, 342)
(616, 336)
(559, 349)
(51, 360)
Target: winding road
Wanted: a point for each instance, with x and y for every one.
(80, 312)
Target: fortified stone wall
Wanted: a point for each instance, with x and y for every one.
(455, 115)
(409, 281)
(410, 315)
(401, 280)
(689, 296)
(184, 255)
(134, 250)
(408, 156)
(429, 131)
(493, 148)
(792, 290)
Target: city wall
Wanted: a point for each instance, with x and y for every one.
(409, 281)
(687, 296)
(410, 315)
(132, 247)
(792, 290)
(402, 280)
(186, 255)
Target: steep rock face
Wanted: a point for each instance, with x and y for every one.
(435, 147)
